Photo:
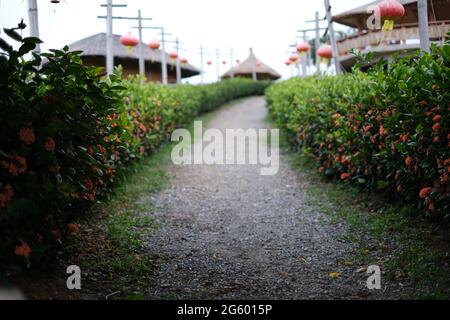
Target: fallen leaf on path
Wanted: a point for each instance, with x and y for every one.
(335, 275)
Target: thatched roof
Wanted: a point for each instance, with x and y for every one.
(357, 18)
(96, 46)
(246, 68)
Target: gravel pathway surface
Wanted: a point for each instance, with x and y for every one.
(230, 233)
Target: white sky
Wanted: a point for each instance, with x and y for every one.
(268, 26)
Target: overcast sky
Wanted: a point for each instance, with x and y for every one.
(268, 26)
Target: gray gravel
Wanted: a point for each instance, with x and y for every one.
(230, 233)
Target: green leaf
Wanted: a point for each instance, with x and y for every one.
(13, 34)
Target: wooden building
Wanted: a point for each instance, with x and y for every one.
(252, 67)
(94, 54)
(401, 41)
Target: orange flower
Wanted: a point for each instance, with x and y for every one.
(54, 169)
(399, 189)
(382, 131)
(409, 161)
(16, 166)
(404, 138)
(74, 228)
(50, 144)
(345, 176)
(436, 140)
(321, 170)
(367, 128)
(437, 127)
(6, 194)
(89, 184)
(425, 192)
(23, 250)
(437, 118)
(336, 116)
(431, 206)
(27, 135)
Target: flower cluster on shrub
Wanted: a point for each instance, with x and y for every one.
(65, 132)
(386, 130)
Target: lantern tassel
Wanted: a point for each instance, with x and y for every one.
(387, 27)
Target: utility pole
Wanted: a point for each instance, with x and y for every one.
(165, 78)
(109, 34)
(163, 35)
(109, 42)
(177, 48)
(34, 22)
(332, 36)
(218, 63)
(317, 30)
(201, 64)
(422, 8)
(317, 44)
(141, 48)
(304, 58)
(231, 64)
(254, 73)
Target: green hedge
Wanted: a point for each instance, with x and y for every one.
(65, 132)
(386, 130)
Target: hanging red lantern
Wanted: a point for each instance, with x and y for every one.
(128, 40)
(288, 62)
(303, 48)
(184, 60)
(325, 52)
(154, 45)
(390, 10)
(224, 62)
(173, 55)
(293, 58)
(209, 62)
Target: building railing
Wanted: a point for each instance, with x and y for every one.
(370, 39)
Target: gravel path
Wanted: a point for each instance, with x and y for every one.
(230, 233)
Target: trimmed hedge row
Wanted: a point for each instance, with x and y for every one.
(387, 130)
(65, 132)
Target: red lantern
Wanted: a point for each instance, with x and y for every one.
(390, 10)
(303, 47)
(288, 63)
(293, 58)
(224, 62)
(154, 45)
(184, 60)
(325, 52)
(128, 40)
(173, 55)
(209, 62)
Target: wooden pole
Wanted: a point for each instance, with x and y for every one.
(141, 48)
(422, 8)
(177, 43)
(34, 22)
(317, 41)
(109, 38)
(218, 63)
(332, 36)
(165, 79)
(201, 65)
(231, 64)
(304, 57)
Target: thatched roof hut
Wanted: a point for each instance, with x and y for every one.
(252, 67)
(94, 52)
(439, 10)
